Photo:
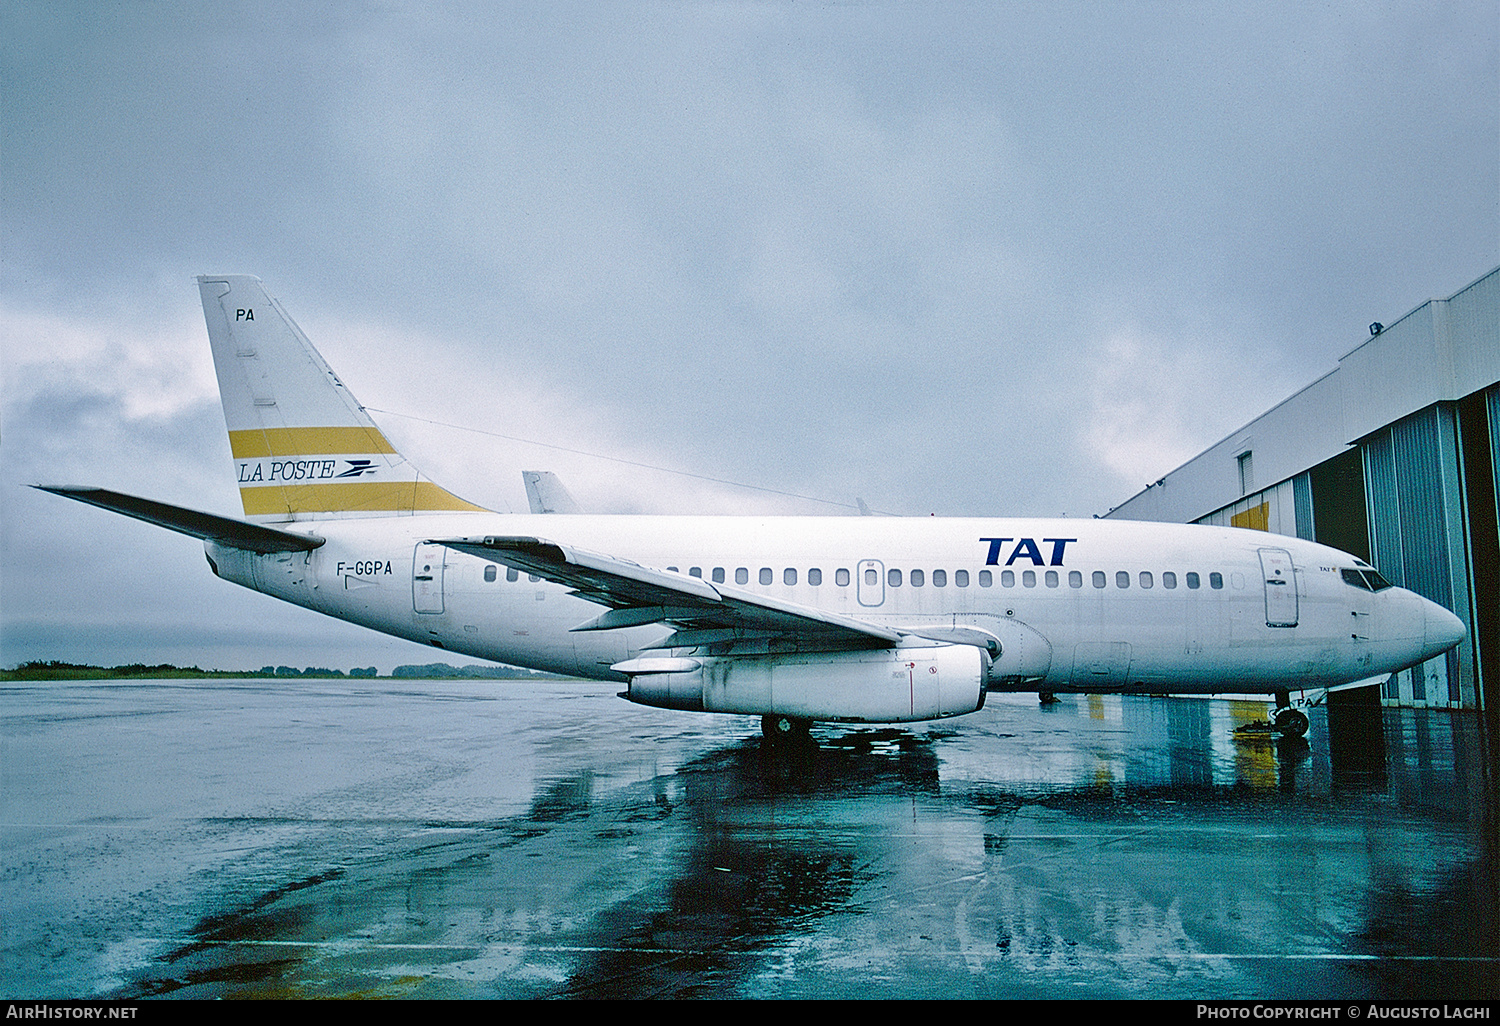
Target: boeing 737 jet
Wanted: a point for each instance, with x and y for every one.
(794, 619)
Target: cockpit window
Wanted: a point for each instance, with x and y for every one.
(1369, 580)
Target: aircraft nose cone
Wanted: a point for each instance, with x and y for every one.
(1443, 629)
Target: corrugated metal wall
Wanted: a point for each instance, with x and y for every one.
(1417, 537)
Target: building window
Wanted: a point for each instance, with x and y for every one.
(1246, 463)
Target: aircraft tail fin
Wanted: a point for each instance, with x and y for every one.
(303, 446)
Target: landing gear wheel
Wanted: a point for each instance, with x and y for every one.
(1291, 722)
(1047, 698)
(785, 729)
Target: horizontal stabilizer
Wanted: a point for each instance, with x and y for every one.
(232, 533)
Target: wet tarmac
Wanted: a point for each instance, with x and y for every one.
(422, 839)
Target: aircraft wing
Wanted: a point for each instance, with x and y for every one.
(545, 493)
(207, 526)
(702, 613)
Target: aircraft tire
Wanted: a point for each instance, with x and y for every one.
(785, 729)
(1291, 722)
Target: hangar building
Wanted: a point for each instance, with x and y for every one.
(1394, 455)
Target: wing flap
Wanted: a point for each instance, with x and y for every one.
(207, 526)
(641, 594)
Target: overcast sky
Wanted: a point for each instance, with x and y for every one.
(990, 258)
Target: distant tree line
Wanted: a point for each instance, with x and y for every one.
(53, 669)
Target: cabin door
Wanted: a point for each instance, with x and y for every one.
(1280, 587)
(427, 578)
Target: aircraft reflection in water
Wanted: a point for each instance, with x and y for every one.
(795, 619)
(1138, 860)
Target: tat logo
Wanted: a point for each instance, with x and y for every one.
(1026, 548)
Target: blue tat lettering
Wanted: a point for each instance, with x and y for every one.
(993, 559)
(1026, 547)
(1057, 548)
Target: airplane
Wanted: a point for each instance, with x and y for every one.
(795, 619)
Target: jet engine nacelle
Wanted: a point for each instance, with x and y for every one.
(891, 685)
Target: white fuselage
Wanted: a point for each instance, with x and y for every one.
(1078, 605)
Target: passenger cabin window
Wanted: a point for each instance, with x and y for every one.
(789, 576)
(718, 575)
(985, 580)
(1122, 578)
(1099, 579)
(1028, 578)
(533, 578)
(1192, 581)
(489, 572)
(918, 578)
(1007, 578)
(940, 578)
(841, 578)
(961, 578)
(814, 576)
(695, 571)
(1051, 578)
(1146, 581)
(893, 578)
(512, 574)
(1075, 579)
(871, 577)
(741, 575)
(766, 576)
(1168, 579)
(1216, 580)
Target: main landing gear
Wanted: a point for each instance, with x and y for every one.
(781, 730)
(1288, 721)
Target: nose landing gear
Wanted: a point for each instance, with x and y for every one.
(1290, 722)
